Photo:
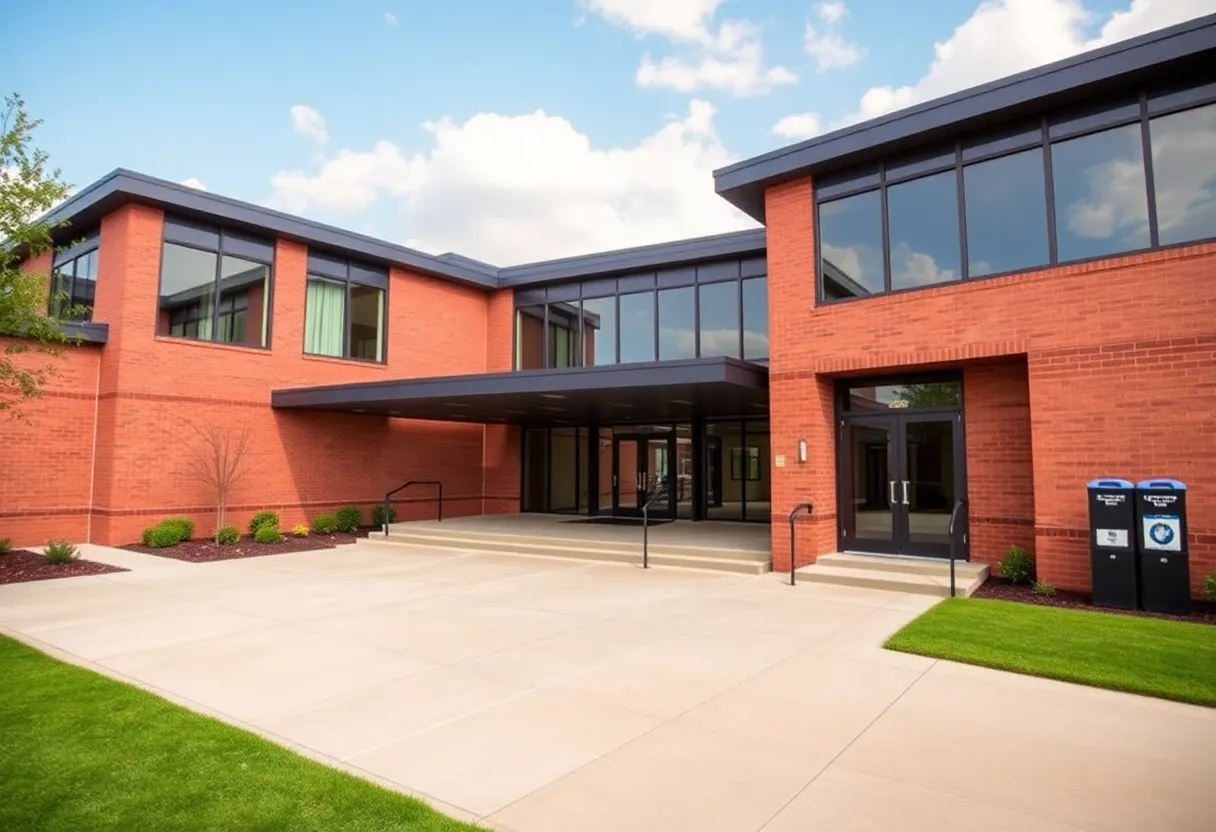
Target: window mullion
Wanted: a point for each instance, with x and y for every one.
(1150, 188)
(215, 297)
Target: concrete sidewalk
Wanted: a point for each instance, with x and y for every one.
(533, 694)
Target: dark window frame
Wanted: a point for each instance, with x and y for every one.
(70, 257)
(168, 237)
(348, 283)
(1205, 95)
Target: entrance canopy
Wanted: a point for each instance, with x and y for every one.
(666, 391)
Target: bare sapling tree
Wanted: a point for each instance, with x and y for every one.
(219, 454)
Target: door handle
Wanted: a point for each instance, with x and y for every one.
(905, 492)
(892, 484)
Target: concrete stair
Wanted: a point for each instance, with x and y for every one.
(402, 537)
(921, 576)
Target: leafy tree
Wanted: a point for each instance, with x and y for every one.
(28, 190)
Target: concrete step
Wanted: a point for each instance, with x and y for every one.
(744, 564)
(911, 565)
(871, 576)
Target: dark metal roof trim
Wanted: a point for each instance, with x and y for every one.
(743, 183)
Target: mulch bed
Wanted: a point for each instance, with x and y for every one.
(207, 550)
(1202, 612)
(21, 565)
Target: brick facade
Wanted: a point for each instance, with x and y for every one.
(1099, 368)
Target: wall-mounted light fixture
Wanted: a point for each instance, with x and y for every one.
(802, 450)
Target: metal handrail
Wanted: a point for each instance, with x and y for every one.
(809, 507)
(955, 513)
(389, 495)
(659, 492)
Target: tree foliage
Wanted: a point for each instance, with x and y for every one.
(28, 190)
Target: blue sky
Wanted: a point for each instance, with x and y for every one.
(506, 131)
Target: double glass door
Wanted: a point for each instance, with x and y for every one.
(640, 463)
(900, 477)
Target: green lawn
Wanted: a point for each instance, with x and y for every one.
(1155, 657)
(79, 751)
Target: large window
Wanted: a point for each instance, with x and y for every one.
(677, 327)
(344, 309)
(74, 284)
(637, 327)
(214, 285)
(1073, 185)
(718, 305)
(755, 319)
(599, 331)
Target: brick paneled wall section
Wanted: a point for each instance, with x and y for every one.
(151, 390)
(1120, 358)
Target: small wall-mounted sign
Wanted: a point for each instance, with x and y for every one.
(779, 461)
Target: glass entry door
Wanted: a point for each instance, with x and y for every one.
(900, 476)
(639, 464)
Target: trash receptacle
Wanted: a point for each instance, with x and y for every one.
(1165, 576)
(1112, 543)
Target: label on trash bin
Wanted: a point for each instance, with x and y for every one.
(1111, 538)
(1162, 532)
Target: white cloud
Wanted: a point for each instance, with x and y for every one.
(830, 12)
(799, 126)
(194, 182)
(915, 268)
(309, 122)
(829, 48)
(509, 189)
(390, 18)
(730, 59)
(1003, 37)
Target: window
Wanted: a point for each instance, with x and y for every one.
(850, 246)
(737, 471)
(1006, 205)
(529, 337)
(344, 309)
(1184, 174)
(214, 285)
(599, 331)
(923, 226)
(677, 329)
(719, 310)
(74, 285)
(563, 335)
(755, 318)
(637, 327)
(1100, 194)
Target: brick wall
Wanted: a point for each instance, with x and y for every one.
(1120, 379)
(151, 391)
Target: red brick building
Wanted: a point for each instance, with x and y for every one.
(990, 298)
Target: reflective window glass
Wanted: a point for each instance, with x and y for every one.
(850, 246)
(677, 330)
(1100, 194)
(563, 335)
(1006, 204)
(599, 331)
(366, 322)
(187, 292)
(637, 327)
(530, 338)
(1184, 174)
(923, 226)
(719, 310)
(755, 318)
(244, 285)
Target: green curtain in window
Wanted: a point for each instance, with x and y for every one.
(204, 322)
(323, 316)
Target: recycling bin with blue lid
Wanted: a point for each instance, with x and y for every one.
(1164, 561)
(1112, 543)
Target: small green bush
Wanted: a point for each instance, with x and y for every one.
(1017, 566)
(1209, 585)
(300, 530)
(349, 519)
(164, 536)
(146, 537)
(378, 515)
(324, 524)
(263, 518)
(228, 535)
(1044, 589)
(267, 534)
(6, 545)
(184, 524)
(59, 551)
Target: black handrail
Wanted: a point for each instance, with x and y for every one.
(389, 495)
(659, 492)
(955, 513)
(793, 514)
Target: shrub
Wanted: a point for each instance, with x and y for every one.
(324, 524)
(1209, 583)
(1044, 589)
(263, 518)
(378, 515)
(349, 519)
(59, 551)
(300, 530)
(1017, 566)
(6, 545)
(267, 534)
(184, 524)
(146, 537)
(228, 535)
(164, 535)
